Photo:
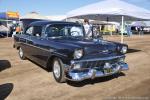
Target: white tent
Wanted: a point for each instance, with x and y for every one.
(33, 15)
(56, 17)
(104, 22)
(111, 10)
(138, 23)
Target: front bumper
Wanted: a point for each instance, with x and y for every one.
(93, 72)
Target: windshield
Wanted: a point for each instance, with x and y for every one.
(64, 30)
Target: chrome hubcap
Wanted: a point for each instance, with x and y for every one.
(56, 69)
(20, 52)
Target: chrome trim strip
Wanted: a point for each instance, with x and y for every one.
(34, 46)
(60, 54)
(96, 59)
(50, 50)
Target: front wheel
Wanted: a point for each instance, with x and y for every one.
(21, 54)
(58, 70)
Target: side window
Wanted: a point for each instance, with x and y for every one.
(29, 31)
(37, 31)
(54, 31)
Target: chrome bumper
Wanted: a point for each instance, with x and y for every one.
(90, 73)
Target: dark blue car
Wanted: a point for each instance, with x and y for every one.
(64, 48)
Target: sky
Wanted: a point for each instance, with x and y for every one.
(54, 7)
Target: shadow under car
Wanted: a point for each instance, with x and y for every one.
(133, 50)
(94, 81)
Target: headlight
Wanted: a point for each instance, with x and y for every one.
(124, 49)
(78, 54)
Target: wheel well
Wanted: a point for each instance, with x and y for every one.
(50, 62)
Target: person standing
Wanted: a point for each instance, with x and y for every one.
(129, 33)
(87, 28)
(14, 28)
(18, 29)
(142, 30)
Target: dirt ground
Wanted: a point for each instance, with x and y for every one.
(24, 80)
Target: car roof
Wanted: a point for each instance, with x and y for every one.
(41, 23)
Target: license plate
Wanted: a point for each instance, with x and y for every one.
(108, 70)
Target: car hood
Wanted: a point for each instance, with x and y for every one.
(90, 46)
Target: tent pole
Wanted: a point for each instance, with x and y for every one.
(7, 22)
(122, 29)
(66, 19)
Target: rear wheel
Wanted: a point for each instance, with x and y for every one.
(58, 70)
(21, 54)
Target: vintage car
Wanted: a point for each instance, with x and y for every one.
(64, 48)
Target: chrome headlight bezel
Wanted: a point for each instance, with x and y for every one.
(78, 53)
(124, 49)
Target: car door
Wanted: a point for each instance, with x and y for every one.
(40, 46)
(25, 41)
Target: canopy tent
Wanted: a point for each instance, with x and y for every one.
(103, 22)
(111, 10)
(33, 15)
(138, 23)
(56, 17)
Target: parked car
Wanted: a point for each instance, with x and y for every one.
(64, 48)
(4, 31)
(3, 34)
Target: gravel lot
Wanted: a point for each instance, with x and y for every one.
(24, 80)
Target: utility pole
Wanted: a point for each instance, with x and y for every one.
(122, 29)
